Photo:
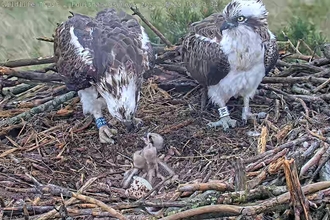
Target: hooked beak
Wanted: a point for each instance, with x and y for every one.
(227, 25)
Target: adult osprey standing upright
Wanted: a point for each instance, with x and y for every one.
(229, 53)
(103, 58)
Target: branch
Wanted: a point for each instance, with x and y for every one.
(298, 98)
(72, 200)
(47, 39)
(56, 190)
(321, 62)
(101, 204)
(298, 199)
(41, 108)
(153, 28)
(301, 57)
(292, 80)
(234, 210)
(31, 75)
(214, 185)
(28, 62)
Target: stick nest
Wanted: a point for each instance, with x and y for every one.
(50, 154)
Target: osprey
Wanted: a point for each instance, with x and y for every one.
(229, 53)
(104, 58)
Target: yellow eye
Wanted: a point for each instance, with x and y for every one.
(240, 18)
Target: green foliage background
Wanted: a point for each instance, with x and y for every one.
(21, 22)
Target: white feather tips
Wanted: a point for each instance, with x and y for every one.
(127, 94)
(203, 38)
(272, 36)
(79, 49)
(247, 8)
(145, 39)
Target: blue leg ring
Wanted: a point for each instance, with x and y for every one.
(100, 122)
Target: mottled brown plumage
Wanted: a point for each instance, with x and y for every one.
(229, 53)
(205, 60)
(109, 31)
(109, 54)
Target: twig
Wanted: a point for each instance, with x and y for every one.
(50, 214)
(240, 175)
(315, 159)
(233, 210)
(322, 86)
(47, 39)
(278, 149)
(28, 62)
(17, 89)
(322, 73)
(31, 75)
(18, 210)
(264, 161)
(160, 204)
(101, 204)
(300, 203)
(320, 62)
(262, 192)
(271, 169)
(153, 28)
(179, 69)
(213, 185)
(292, 68)
(309, 49)
(292, 80)
(223, 210)
(155, 188)
(299, 98)
(321, 164)
(41, 108)
(176, 127)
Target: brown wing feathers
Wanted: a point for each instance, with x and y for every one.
(271, 49)
(271, 55)
(204, 59)
(74, 69)
(109, 33)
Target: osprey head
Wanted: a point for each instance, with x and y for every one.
(250, 13)
(121, 92)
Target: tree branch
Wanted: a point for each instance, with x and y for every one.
(28, 62)
(153, 28)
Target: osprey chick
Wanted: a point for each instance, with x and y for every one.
(229, 53)
(104, 58)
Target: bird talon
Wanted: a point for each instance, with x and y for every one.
(225, 122)
(106, 134)
(246, 114)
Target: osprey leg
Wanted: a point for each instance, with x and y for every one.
(246, 112)
(225, 120)
(203, 98)
(93, 105)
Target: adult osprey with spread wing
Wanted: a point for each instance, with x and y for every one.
(229, 53)
(103, 58)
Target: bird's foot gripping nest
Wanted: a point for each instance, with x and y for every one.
(147, 161)
(246, 114)
(105, 133)
(225, 120)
